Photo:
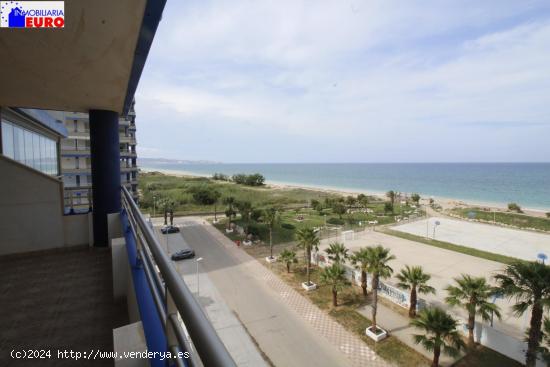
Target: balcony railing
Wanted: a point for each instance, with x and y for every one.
(176, 307)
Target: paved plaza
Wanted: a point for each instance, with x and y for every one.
(491, 238)
(443, 266)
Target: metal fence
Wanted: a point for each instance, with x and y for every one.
(184, 324)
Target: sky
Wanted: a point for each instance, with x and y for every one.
(348, 81)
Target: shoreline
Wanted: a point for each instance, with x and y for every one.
(445, 202)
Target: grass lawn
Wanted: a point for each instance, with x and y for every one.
(450, 246)
(515, 219)
(486, 357)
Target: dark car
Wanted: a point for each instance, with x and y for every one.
(183, 254)
(169, 229)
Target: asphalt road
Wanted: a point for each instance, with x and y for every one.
(280, 333)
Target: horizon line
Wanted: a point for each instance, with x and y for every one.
(207, 161)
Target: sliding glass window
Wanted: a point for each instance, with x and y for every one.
(29, 148)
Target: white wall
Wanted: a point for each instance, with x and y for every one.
(31, 211)
(76, 229)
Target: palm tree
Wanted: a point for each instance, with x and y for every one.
(166, 204)
(416, 280)
(270, 217)
(229, 212)
(528, 283)
(359, 259)
(377, 265)
(335, 276)
(216, 198)
(472, 294)
(288, 257)
(545, 349)
(391, 195)
(244, 207)
(308, 240)
(350, 201)
(363, 200)
(337, 252)
(441, 333)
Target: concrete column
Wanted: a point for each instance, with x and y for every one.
(105, 152)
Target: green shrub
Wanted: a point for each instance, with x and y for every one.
(351, 220)
(256, 214)
(288, 226)
(220, 177)
(514, 207)
(258, 229)
(255, 179)
(205, 195)
(336, 221)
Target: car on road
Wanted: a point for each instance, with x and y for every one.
(183, 254)
(169, 229)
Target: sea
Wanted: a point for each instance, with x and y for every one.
(527, 184)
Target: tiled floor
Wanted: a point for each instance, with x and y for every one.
(58, 301)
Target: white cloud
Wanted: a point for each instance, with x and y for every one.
(334, 70)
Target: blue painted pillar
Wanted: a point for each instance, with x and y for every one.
(105, 151)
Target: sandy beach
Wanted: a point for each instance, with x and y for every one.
(445, 203)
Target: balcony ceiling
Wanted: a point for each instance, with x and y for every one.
(95, 62)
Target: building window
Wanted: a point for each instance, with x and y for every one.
(7, 140)
(29, 148)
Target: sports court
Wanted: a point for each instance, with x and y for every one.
(491, 238)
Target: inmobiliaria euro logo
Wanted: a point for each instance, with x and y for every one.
(32, 14)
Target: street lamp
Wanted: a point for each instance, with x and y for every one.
(435, 226)
(154, 205)
(197, 261)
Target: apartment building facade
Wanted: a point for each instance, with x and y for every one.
(76, 165)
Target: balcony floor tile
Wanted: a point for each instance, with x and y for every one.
(58, 300)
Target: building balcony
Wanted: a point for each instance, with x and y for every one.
(84, 135)
(128, 154)
(81, 187)
(80, 170)
(128, 139)
(83, 152)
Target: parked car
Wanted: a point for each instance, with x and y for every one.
(183, 254)
(169, 229)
